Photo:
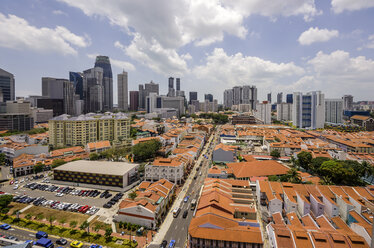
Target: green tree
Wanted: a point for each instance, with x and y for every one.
(275, 154)
(28, 216)
(94, 156)
(57, 163)
(62, 221)
(133, 195)
(146, 150)
(39, 167)
(73, 223)
(366, 169)
(84, 225)
(304, 159)
(97, 227)
(293, 176)
(2, 159)
(40, 216)
(108, 232)
(51, 219)
(316, 163)
(273, 178)
(5, 200)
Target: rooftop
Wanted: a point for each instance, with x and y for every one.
(98, 167)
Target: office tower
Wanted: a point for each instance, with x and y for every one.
(122, 91)
(228, 98)
(77, 79)
(178, 84)
(334, 110)
(347, 102)
(151, 102)
(196, 103)
(18, 107)
(193, 96)
(171, 90)
(93, 89)
(289, 98)
(134, 100)
(78, 131)
(208, 97)
(141, 104)
(263, 112)
(209, 106)
(57, 88)
(269, 97)
(284, 111)
(246, 94)
(308, 110)
(237, 95)
(7, 86)
(171, 102)
(279, 98)
(104, 63)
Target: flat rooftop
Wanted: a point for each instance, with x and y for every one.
(98, 167)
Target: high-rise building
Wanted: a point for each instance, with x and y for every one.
(243, 95)
(69, 98)
(141, 104)
(209, 106)
(289, 98)
(193, 96)
(7, 86)
(334, 110)
(171, 90)
(279, 98)
(284, 111)
(171, 102)
(65, 130)
(134, 100)
(263, 112)
(104, 63)
(308, 110)
(144, 92)
(269, 97)
(237, 95)
(57, 88)
(151, 102)
(208, 97)
(228, 98)
(347, 102)
(178, 84)
(122, 82)
(77, 79)
(93, 89)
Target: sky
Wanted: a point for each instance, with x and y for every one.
(212, 45)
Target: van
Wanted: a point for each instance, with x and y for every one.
(41, 234)
(176, 212)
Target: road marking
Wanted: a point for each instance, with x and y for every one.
(31, 235)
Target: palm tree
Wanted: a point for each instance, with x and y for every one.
(293, 176)
(366, 169)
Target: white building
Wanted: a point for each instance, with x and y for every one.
(334, 110)
(308, 110)
(284, 111)
(208, 106)
(41, 115)
(167, 168)
(263, 112)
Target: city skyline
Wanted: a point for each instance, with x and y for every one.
(323, 49)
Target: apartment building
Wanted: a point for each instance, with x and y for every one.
(65, 130)
(168, 168)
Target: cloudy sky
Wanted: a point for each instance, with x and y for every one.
(212, 45)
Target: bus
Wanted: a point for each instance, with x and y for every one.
(193, 204)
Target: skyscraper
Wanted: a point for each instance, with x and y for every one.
(237, 95)
(208, 97)
(77, 79)
(104, 63)
(193, 96)
(228, 98)
(93, 90)
(178, 84)
(347, 102)
(122, 91)
(7, 86)
(141, 104)
(134, 100)
(334, 110)
(57, 88)
(171, 90)
(279, 98)
(308, 110)
(269, 97)
(144, 91)
(289, 98)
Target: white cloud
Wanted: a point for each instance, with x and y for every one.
(153, 55)
(123, 65)
(59, 12)
(17, 33)
(313, 35)
(225, 71)
(339, 6)
(371, 42)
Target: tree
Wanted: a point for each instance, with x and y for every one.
(293, 176)
(40, 216)
(317, 162)
(5, 200)
(51, 219)
(57, 163)
(97, 227)
(94, 156)
(73, 224)
(84, 225)
(146, 150)
(275, 154)
(62, 221)
(39, 167)
(108, 232)
(304, 159)
(133, 195)
(2, 159)
(366, 170)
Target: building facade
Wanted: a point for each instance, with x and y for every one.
(18, 122)
(193, 96)
(65, 130)
(308, 110)
(107, 83)
(284, 111)
(93, 91)
(334, 110)
(134, 100)
(122, 81)
(228, 98)
(7, 86)
(263, 112)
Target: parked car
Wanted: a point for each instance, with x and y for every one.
(5, 227)
(76, 244)
(61, 241)
(172, 243)
(164, 244)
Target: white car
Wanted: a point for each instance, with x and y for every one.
(60, 194)
(15, 187)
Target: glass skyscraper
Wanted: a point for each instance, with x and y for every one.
(7, 88)
(104, 63)
(77, 79)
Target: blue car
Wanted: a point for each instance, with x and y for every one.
(5, 226)
(186, 199)
(172, 243)
(96, 246)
